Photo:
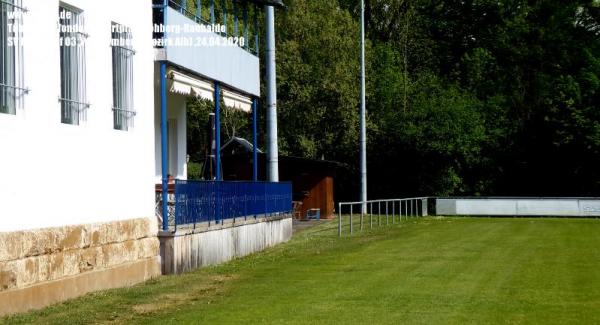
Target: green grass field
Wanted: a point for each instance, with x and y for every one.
(430, 270)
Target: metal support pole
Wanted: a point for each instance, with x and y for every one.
(218, 151)
(393, 214)
(218, 131)
(371, 214)
(351, 228)
(272, 150)
(362, 218)
(379, 213)
(254, 140)
(363, 127)
(164, 145)
(212, 12)
(199, 9)
(340, 219)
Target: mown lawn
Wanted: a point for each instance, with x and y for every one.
(430, 270)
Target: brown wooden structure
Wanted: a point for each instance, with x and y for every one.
(312, 179)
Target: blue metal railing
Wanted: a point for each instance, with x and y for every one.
(214, 201)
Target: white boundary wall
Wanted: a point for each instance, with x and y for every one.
(567, 207)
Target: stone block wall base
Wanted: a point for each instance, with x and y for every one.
(47, 293)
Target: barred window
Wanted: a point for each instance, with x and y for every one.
(12, 90)
(72, 99)
(122, 67)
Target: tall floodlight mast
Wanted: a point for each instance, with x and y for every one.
(272, 150)
(363, 127)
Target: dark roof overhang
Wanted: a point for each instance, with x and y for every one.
(274, 3)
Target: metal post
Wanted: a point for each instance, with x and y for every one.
(363, 128)
(218, 150)
(212, 12)
(340, 219)
(254, 140)
(272, 150)
(199, 9)
(379, 213)
(393, 214)
(371, 214)
(164, 145)
(218, 131)
(362, 218)
(351, 228)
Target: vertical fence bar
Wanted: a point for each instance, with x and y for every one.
(371, 214)
(379, 213)
(351, 228)
(340, 219)
(164, 145)
(362, 216)
(254, 140)
(393, 214)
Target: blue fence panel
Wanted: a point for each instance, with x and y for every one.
(213, 202)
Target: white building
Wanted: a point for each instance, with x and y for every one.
(83, 93)
(77, 163)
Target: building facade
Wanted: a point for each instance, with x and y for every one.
(93, 119)
(76, 189)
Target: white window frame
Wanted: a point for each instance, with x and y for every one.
(122, 74)
(72, 38)
(12, 89)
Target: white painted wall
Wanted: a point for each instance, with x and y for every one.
(231, 65)
(54, 174)
(519, 207)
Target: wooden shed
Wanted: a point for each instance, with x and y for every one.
(312, 179)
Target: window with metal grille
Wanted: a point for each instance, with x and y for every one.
(12, 89)
(122, 67)
(72, 39)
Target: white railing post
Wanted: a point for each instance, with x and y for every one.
(340, 219)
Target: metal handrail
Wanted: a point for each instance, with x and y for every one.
(414, 207)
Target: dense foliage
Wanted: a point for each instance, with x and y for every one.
(463, 97)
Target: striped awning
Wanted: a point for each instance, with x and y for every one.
(190, 86)
(237, 101)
